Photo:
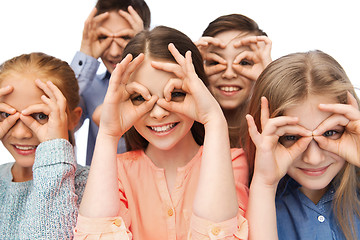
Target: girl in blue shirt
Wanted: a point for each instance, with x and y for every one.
(304, 149)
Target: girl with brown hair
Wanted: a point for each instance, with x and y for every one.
(180, 180)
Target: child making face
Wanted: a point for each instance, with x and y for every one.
(40, 191)
(107, 30)
(306, 150)
(174, 183)
(235, 52)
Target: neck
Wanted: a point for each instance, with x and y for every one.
(314, 195)
(178, 156)
(234, 116)
(21, 174)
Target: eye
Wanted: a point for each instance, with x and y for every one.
(128, 38)
(333, 134)
(245, 62)
(177, 96)
(102, 37)
(288, 140)
(137, 99)
(3, 115)
(42, 118)
(211, 63)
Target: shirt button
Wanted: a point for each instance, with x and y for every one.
(117, 222)
(170, 212)
(215, 231)
(321, 218)
(80, 63)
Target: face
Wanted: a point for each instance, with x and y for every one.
(20, 141)
(230, 88)
(315, 168)
(161, 128)
(112, 55)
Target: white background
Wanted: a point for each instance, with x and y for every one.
(55, 27)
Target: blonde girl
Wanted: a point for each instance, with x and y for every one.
(180, 180)
(304, 125)
(40, 191)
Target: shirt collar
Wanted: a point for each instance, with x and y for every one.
(105, 76)
(288, 184)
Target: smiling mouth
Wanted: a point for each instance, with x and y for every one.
(229, 88)
(314, 172)
(25, 148)
(163, 128)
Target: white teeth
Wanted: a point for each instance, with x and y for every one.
(229, 89)
(163, 128)
(25, 148)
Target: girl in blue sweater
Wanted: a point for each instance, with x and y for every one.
(40, 191)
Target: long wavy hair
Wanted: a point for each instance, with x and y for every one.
(288, 81)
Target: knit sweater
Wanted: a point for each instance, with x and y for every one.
(47, 206)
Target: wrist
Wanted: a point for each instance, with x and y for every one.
(109, 138)
(261, 182)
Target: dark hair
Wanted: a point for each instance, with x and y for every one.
(155, 43)
(233, 22)
(140, 7)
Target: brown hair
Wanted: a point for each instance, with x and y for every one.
(233, 22)
(48, 68)
(291, 79)
(155, 43)
(139, 6)
(247, 26)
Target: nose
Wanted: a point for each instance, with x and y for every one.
(115, 50)
(21, 131)
(229, 72)
(158, 112)
(313, 155)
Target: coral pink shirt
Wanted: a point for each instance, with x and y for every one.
(149, 211)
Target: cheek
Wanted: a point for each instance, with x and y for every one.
(248, 85)
(212, 83)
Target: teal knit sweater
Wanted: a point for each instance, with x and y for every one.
(47, 206)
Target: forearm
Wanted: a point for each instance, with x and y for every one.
(101, 196)
(51, 208)
(261, 211)
(216, 187)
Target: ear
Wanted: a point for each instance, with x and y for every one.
(74, 119)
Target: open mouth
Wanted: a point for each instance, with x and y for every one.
(114, 63)
(163, 128)
(229, 89)
(25, 149)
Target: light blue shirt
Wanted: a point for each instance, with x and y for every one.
(299, 218)
(45, 207)
(92, 91)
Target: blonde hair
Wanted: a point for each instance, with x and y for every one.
(46, 68)
(288, 81)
